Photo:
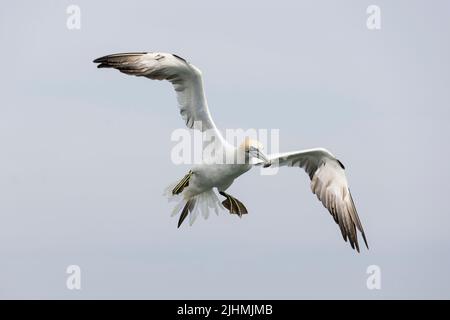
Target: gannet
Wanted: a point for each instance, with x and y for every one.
(195, 191)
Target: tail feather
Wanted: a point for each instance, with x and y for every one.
(204, 208)
(189, 207)
(202, 204)
(194, 211)
(178, 207)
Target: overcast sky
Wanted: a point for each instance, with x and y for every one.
(85, 153)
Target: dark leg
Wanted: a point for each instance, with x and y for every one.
(182, 184)
(233, 205)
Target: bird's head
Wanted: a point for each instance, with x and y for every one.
(254, 149)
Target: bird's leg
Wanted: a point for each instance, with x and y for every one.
(182, 184)
(233, 205)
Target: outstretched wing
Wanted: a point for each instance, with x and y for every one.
(185, 78)
(329, 184)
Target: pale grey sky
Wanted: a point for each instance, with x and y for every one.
(85, 153)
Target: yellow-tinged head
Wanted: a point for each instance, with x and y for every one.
(254, 148)
(250, 143)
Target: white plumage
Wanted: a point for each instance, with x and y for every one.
(195, 192)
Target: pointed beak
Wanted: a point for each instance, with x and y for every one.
(261, 156)
(267, 164)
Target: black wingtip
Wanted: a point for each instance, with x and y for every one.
(116, 55)
(100, 60)
(365, 240)
(177, 56)
(103, 65)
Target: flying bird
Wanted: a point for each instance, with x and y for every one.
(195, 192)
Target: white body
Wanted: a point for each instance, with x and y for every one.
(208, 176)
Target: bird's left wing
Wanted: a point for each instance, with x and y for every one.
(185, 78)
(329, 184)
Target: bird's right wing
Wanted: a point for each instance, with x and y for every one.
(329, 184)
(185, 78)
